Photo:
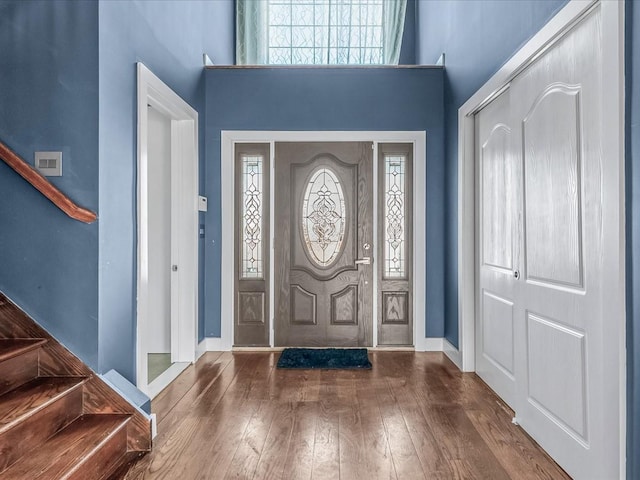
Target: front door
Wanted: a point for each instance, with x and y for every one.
(323, 244)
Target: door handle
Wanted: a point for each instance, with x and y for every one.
(516, 274)
(363, 261)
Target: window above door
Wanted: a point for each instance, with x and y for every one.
(319, 32)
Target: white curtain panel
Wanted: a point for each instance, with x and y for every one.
(289, 32)
(252, 27)
(393, 27)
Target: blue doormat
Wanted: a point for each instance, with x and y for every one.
(330, 358)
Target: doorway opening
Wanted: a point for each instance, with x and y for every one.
(167, 234)
(158, 342)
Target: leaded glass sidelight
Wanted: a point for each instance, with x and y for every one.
(252, 215)
(324, 217)
(394, 216)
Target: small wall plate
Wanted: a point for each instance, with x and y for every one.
(49, 164)
(202, 203)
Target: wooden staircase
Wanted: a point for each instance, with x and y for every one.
(58, 419)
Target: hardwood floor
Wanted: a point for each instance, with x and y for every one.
(414, 415)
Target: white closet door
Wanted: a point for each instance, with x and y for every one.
(541, 315)
(563, 391)
(497, 234)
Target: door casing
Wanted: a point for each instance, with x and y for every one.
(230, 138)
(613, 222)
(184, 158)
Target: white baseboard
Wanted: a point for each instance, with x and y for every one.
(430, 344)
(453, 353)
(257, 349)
(201, 348)
(154, 426)
(216, 344)
(433, 344)
(165, 378)
(212, 344)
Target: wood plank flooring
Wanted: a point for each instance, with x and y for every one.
(414, 415)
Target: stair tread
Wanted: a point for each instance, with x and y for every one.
(32, 396)
(67, 449)
(12, 347)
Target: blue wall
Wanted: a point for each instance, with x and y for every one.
(477, 39)
(169, 38)
(328, 99)
(633, 235)
(408, 49)
(68, 83)
(49, 101)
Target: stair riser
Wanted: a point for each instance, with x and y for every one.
(56, 360)
(33, 431)
(18, 370)
(98, 398)
(104, 460)
(69, 437)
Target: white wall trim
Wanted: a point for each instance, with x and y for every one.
(184, 137)
(432, 344)
(230, 138)
(165, 378)
(212, 344)
(613, 148)
(154, 426)
(375, 279)
(452, 353)
(201, 349)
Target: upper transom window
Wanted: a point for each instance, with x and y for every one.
(316, 32)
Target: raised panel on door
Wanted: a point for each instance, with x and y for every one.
(550, 344)
(497, 332)
(553, 187)
(561, 401)
(324, 218)
(497, 215)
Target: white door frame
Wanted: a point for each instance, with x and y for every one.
(184, 159)
(613, 175)
(230, 138)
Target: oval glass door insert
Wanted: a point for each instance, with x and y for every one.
(323, 217)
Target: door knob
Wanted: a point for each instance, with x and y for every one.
(174, 268)
(363, 261)
(516, 274)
